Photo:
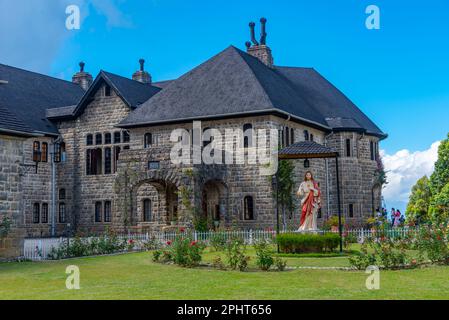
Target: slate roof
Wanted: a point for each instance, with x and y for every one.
(306, 149)
(26, 96)
(133, 93)
(234, 83)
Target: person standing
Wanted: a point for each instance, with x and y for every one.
(393, 215)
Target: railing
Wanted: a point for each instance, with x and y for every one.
(39, 248)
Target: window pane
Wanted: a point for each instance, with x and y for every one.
(45, 213)
(147, 210)
(97, 211)
(89, 139)
(62, 212)
(107, 138)
(107, 211)
(98, 138)
(107, 160)
(248, 208)
(36, 213)
(125, 136)
(36, 151)
(117, 137)
(147, 140)
(44, 154)
(61, 194)
(116, 156)
(348, 147)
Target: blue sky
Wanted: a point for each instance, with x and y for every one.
(398, 75)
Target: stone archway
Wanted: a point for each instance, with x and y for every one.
(155, 204)
(214, 203)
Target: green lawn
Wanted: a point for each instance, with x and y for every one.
(135, 276)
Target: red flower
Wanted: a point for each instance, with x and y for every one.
(130, 241)
(168, 242)
(193, 243)
(182, 230)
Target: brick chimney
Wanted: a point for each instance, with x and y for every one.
(260, 50)
(141, 75)
(84, 79)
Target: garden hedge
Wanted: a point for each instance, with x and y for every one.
(306, 243)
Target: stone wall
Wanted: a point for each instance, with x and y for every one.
(11, 156)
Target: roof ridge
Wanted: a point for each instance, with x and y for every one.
(240, 52)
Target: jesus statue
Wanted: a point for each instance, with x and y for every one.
(310, 194)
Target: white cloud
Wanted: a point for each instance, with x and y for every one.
(404, 169)
(32, 32)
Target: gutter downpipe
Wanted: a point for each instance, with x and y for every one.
(53, 188)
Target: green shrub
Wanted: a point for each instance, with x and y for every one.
(183, 251)
(280, 264)
(433, 242)
(306, 243)
(218, 241)
(235, 254)
(264, 255)
(383, 252)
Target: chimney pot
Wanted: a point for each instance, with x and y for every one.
(141, 62)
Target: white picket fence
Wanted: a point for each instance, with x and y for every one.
(39, 248)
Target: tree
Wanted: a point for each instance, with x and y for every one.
(439, 208)
(440, 177)
(418, 206)
(285, 187)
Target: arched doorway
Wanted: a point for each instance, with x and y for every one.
(155, 204)
(214, 204)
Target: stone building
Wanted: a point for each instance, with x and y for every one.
(96, 154)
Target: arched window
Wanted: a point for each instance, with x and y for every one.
(44, 154)
(247, 135)
(107, 160)
(36, 151)
(36, 213)
(248, 208)
(44, 215)
(61, 194)
(98, 214)
(107, 211)
(147, 210)
(62, 212)
(312, 138)
(351, 210)
(89, 140)
(306, 135)
(98, 139)
(287, 136)
(107, 138)
(125, 136)
(147, 140)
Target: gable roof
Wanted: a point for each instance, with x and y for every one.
(133, 93)
(234, 83)
(25, 96)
